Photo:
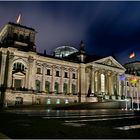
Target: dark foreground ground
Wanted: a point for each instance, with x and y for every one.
(68, 124)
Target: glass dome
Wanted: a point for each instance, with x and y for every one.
(64, 51)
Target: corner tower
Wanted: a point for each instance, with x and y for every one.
(18, 36)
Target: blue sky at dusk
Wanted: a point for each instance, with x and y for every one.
(104, 27)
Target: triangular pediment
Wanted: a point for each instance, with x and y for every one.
(19, 74)
(109, 61)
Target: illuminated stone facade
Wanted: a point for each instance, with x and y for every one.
(27, 77)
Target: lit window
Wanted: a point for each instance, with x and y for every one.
(66, 101)
(48, 101)
(58, 101)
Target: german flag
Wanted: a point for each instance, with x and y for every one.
(132, 55)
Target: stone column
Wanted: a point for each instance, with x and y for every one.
(81, 81)
(29, 73)
(118, 85)
(3, 67)
(28, 77)
(106, 83)
(11, 56)
(61, 80)
(34, 75)
(110, 83)
(92, 80)
(70, 81)
(43, 77)
(99, 82)
(95, 81)
(53, 78)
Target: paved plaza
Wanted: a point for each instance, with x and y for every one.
(69, 124)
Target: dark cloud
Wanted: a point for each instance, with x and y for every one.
(105, 27)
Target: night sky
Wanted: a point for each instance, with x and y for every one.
(104, 27)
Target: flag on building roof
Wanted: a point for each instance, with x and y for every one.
(132, 55)
(18, 18)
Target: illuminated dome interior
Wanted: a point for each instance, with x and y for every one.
(64, 51)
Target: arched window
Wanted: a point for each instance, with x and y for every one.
(47, 86)
(38, 85)
(102, 83)
(18, 66)
(65, 88)
(73, 89)
(56, 87)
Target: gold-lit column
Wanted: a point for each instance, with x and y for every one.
(11, 56)
(92, 80)
(3, 65)
(106, 83)
(70, 82)
(61, 80)
(118, 85)
(96, 81)
(110, 83)
(30, 72)
(43, 77)
(99, 82)
(33, 75)
(52, 81)
(78, 81)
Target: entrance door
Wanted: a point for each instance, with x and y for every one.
(17, 83)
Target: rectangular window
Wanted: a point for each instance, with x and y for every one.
(48, 72)
(57, 73)
(38, 70)
(73, 76)
(66, 75)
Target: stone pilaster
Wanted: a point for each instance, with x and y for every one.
(99, 82)
(52, 81)
(82, 90)
(92, 80)
(11, 56)
(43, 77)
(106, 83)
(34, 75)
(70, 81)
(61, 80)
(3, 67)
(118, 85)
(110, 83)
(29, 72)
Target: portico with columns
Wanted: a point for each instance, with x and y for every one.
(104, 77)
